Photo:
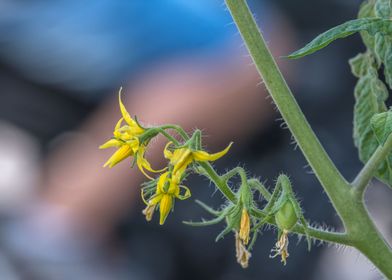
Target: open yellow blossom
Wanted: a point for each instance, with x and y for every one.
(126, 140)
(166, 191)
(244, 226)
(180, 158)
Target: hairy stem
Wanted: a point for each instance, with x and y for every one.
(256, 184)
(361, 231)
(218, 181)
(331, 179)
(368, 240)
(177, 128)
(362, 180)
(221, 183)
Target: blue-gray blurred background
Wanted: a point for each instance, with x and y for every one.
(61, 64)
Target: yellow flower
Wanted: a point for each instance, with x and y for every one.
(244, 226)
(166, 191)
(126, 140)
(180, 158)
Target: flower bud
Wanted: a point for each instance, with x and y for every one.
(286, 218)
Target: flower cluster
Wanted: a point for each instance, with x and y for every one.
(240, 213)
(132, 139)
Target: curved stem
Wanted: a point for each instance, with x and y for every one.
(235, 171)
(168, 136)
(254, 183)
(221, 183)
(177, 128)
(367, 173)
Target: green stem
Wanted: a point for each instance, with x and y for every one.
(256, 184)
(177, 128)
(235, 171)
(368, 240)
(168, 136)
(335, 237)
(361, 231)
(333, 182)
(362, 180)
(221, 183)
(218, 181)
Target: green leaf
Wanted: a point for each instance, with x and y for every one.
(367, 11)
(360, 64)
(383, 42)
(382, 126)
(369, 100)
(371, 25)
(372, 122)
(388, 64)
(383, 8)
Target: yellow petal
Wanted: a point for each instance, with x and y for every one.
(143, 164)
(161, 182)
(143, 196)
(181, 159)
(179, 155)
(155, 199)
(178, 172)
(127, 117)
(184, 196)
(168, 154)
(244, 226)
(174, 188)
(134, 144)
(204, 156)
(118, 125)
(123, 152)
(111, 143)
(165, 207)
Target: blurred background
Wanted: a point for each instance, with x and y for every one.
(63, 216)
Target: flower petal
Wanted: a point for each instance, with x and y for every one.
(123, 152)
(165, 207)
(118, 125)
(168, 154)
(155, 199)
(187, 193)
(127, 117)
(111, 143)
(143, 164)
(181, 159)
(244, 226)
(204, 156)
(161, 182)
